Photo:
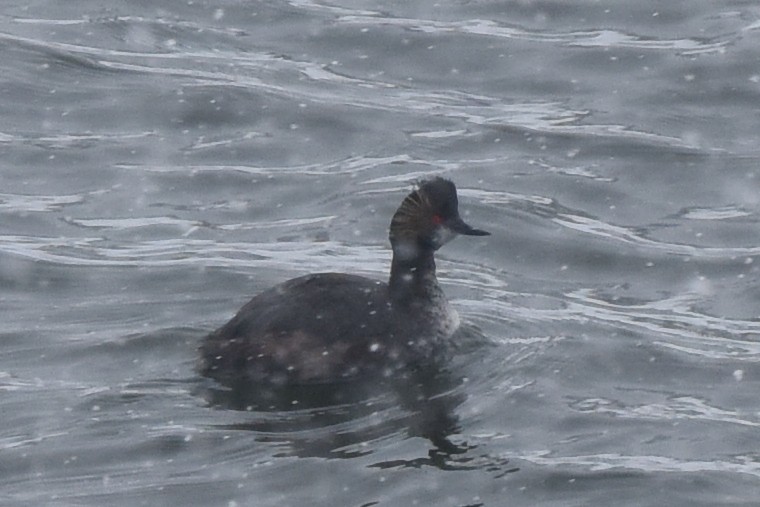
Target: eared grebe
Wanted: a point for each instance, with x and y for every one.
(328, 327)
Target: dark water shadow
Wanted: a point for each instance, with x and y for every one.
(353, 419)
(343, 420)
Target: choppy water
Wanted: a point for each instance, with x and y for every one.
(163, 162)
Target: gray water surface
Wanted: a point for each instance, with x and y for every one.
(162, 162)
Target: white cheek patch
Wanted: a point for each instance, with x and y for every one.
(443, 235)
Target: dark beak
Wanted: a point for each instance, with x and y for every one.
(460, 227)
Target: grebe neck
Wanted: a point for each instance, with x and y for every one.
(413, 276)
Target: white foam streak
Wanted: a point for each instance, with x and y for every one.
(590, 38)
(30, 203)
(645, 463)
(677, 408)
(95, 252)
(671, 322)
(622, 234)
(267, 73)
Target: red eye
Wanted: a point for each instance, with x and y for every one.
(437, 219)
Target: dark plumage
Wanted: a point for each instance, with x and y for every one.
(328, 327)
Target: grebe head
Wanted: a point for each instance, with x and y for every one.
(428, 218)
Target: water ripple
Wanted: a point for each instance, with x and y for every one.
(678, 407)
(548, 208)
(132, 21)
(313, 82)
(65, 141)
(330, 9)
(717, 213)
(307, 255)
(590, 38)
(626, 235)
(645, 463)
(676, 325)
(671, 322)
(189, 226)
(28, 203)
(350, 165)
